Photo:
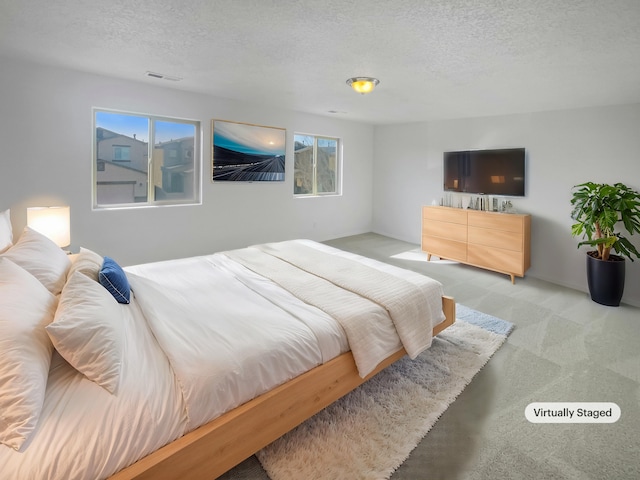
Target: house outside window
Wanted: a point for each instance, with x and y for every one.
(142, 160)
(316, 165)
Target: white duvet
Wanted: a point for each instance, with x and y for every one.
(229, 334)
(204, 335)
(360, 298)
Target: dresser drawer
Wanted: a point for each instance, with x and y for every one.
(496, 241)
(496, 221)
(451, 231)
(443, 248)
(505, 261)
(495, 238)
(444, 214)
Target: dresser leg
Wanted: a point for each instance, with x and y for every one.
(513, 278)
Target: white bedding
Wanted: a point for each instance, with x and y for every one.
(85, 432)
(203, 335)
(358, 297)
(228, 343)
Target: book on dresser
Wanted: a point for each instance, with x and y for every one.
(492, 240)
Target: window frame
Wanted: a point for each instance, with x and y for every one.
(338, 171)
(151, 200)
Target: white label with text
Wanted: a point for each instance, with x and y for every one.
(572, 412)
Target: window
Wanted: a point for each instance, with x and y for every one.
(121, 153)
(145, 160)
(316, 165)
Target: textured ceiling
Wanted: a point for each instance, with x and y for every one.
(435, 59)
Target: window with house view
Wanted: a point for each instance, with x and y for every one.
(145, 160)
(316, 165)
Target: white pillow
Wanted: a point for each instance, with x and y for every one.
(87, 331)
(42, 258)
(26, 307)
(87, 262)
(6, 232)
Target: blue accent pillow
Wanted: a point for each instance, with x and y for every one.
(113, 278)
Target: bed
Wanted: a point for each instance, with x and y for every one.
(211, 359)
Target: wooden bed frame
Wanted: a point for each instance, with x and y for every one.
(216, 447)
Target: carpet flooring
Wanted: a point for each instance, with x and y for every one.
(369, 433)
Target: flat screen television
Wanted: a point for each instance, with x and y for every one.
(485, 172)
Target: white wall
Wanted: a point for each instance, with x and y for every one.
(46, 135)
(564, 148)
(46, 159)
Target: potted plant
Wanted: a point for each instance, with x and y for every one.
(598, 209)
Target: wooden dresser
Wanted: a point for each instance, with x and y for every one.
(496, 241)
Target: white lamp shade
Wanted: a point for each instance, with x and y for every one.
(53, 222)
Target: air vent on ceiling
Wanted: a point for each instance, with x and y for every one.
(163, 76)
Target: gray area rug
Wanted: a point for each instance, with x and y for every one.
(370, 432)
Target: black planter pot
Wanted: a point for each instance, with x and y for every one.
(606, 279)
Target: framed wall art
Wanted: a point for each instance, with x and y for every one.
(243, 152)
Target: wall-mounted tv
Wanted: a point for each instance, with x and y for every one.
(485, 172)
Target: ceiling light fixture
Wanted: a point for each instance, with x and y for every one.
(363, 84)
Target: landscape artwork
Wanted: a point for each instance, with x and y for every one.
(247, 153)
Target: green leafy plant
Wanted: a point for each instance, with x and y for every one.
(597, 209)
